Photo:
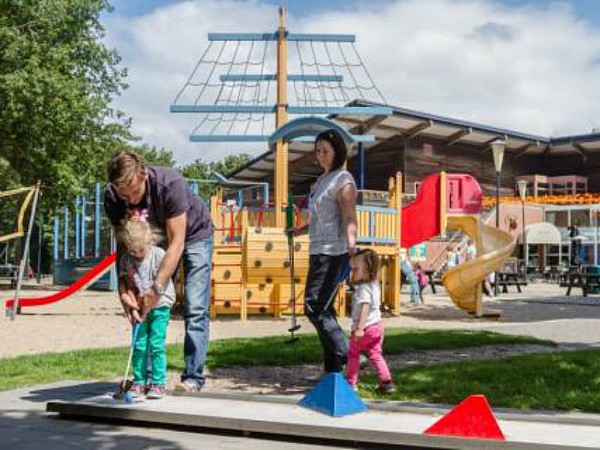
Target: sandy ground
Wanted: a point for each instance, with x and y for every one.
(94, 320)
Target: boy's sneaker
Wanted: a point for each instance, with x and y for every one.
(354, 387)
(138, 392)
(156, 392)
(386, 388)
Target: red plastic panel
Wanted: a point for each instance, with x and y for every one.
(95, 272)
(463, 194)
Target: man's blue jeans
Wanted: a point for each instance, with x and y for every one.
(197, 263)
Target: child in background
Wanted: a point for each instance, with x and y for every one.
(137, 269)
(367, 327)
(421, 278)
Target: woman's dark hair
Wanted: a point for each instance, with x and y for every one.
(338, 145)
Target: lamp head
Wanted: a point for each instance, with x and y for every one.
(522, 184)
(498, 147)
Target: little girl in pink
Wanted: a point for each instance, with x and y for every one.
(367, 327)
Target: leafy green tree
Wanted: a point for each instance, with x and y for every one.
(57, 80)
(201, 170)
(155, 156)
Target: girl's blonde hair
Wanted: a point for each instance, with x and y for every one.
(372, 262)
(134, 233)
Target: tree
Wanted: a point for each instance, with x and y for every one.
(200, 170)
(155, 156)
(57, 80)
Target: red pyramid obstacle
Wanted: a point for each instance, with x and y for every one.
(472, 418)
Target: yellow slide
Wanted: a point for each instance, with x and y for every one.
(463, 282)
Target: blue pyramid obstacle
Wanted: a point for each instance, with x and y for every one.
(333, 396)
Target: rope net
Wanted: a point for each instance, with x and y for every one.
(221, 77)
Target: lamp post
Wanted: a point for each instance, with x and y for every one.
(498, 147)
(523, 194)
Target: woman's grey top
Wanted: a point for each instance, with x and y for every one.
(326, 230)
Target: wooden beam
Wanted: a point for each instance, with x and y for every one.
(257, 170)
(367, 125)
(546, 150)
(412, 132)
(298, 152)
(580, 149)
(455, 137)
(489, 141)
(520, 151)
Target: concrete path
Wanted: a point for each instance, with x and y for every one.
(24, 425)
(392, 423)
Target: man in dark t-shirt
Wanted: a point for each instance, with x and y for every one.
(181, 221)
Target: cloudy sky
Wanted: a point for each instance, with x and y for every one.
(527, 65)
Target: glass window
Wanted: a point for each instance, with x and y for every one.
(580, 217)
(552, 255)
(559, 189)
(581, 188)
(588, 254)
(559, 219)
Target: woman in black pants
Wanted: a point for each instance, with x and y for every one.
(332, 230)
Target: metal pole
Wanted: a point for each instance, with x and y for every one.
(56, 236)
(39, 255)
(524, 239)
(25, 257)
(66, 233)
(361, 166)
(497, 222)
(97, 214)
(77, 232)
(83, 223)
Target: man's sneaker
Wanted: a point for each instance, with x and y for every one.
(138, 392)
(187, 386)
(156, 392)
(386, 388)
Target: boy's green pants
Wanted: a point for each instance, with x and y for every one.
(151, 340)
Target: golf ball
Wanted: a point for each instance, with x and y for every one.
(128, 397)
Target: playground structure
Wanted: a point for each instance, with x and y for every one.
(251, 262)
(251, 257)
(32, 194)
(82, 241)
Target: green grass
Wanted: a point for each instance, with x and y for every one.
(555, 381)
(108, 364)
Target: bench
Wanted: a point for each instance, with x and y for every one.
(506, 279)
(11, 272)
(586, 282)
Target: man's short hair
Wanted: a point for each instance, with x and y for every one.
(123, 166)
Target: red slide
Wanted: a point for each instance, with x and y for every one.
(89, 278)
(421, 218)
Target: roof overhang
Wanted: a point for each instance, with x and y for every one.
(543, 233)
(407, 124)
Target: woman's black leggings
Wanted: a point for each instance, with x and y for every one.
(323, 273)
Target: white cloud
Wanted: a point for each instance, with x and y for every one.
(534, 69)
